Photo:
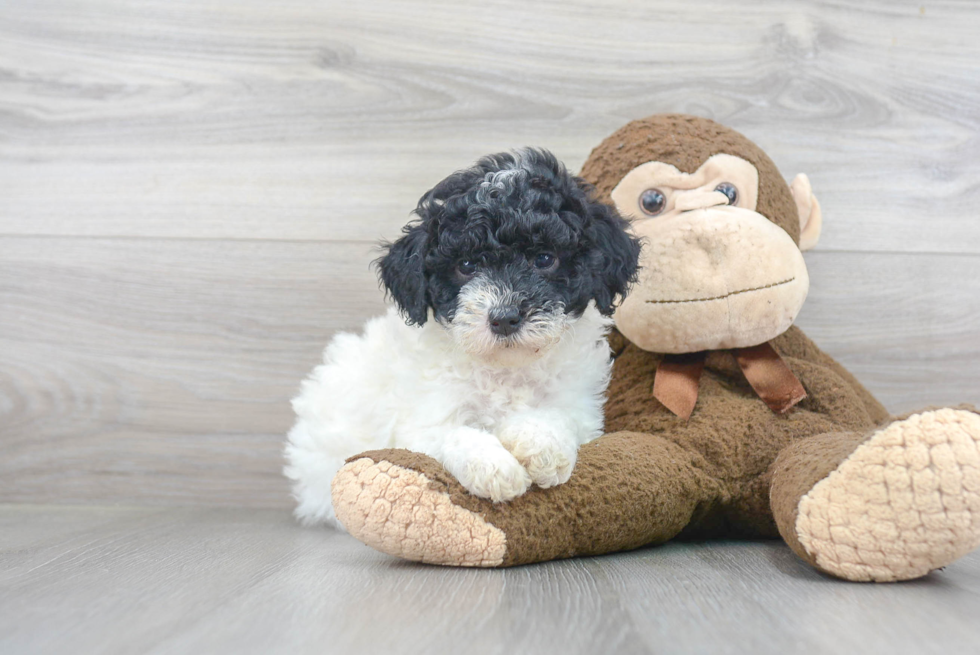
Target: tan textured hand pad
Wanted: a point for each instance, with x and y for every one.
(906, 502)
(396, 510)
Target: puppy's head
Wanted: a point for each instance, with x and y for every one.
(508, 254)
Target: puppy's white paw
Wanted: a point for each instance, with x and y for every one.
(494, 474)
(547, 454)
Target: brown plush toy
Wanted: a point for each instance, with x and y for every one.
(723, 419)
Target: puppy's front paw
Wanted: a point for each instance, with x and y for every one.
(547, 454)
(494, 474)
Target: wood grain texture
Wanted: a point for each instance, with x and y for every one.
(162, 370)
(190, 193)
(155, 580)
(327, 120)
(907, 326)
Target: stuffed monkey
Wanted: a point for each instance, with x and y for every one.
(723, 419)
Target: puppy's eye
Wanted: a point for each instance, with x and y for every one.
(729, 190)
(545, 261)
(653, 201)
(466, 268)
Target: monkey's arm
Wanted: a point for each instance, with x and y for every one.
(793, 343)
(629, 490)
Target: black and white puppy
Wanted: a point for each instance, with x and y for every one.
(498, 365)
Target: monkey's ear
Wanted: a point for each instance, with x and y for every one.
(402, 271)
(615, 257)
(809, 210)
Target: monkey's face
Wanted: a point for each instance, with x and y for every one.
(714, 273)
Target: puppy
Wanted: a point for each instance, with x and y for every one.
(499, 367)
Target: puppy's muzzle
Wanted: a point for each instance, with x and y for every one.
(505, 320)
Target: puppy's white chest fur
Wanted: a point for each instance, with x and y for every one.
(496, 428)
(485, 393)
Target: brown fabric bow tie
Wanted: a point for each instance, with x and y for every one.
(676, 382)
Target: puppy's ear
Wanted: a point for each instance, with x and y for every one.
(615, 254)
(402, 271)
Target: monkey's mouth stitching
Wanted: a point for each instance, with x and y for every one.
(727, 295)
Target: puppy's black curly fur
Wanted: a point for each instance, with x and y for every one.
(521, 221)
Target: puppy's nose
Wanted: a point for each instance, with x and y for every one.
(505, 320)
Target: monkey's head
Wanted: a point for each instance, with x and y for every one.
(721, 264)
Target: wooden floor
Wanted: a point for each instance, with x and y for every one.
(142, 580)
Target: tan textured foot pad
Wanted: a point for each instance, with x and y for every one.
(906, 502)
(400, 512)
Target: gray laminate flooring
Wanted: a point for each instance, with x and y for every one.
(171, 580)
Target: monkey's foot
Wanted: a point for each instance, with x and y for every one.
(906, 501)
(401, 511)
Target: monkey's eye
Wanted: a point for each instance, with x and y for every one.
(466, 268)
(653, 201)
(545, 261)
(729, 190)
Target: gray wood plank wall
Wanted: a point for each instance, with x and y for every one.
(190, 193)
